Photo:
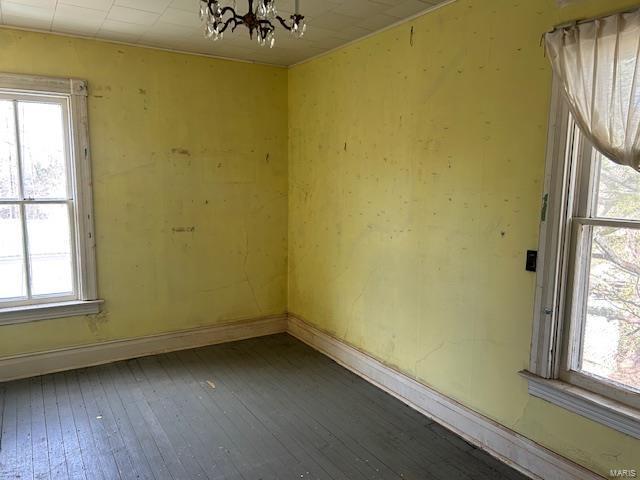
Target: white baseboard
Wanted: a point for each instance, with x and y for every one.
(32, 364)
(508, 446)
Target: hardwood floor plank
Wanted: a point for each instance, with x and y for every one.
(371, 438)
(190, 399)
(249, 436)
(330, 417)
(277, 417)
(307, 358)
(97, 457)
(130, 391)
(73, 452)
(103, 427)
(53, 430)
(435, 435)
(24, 445)
(136, 435)
(39, 436)
(224, 435)
(440, 454)
(188, 447)
(362, 463)
(9, 433)
(118, 427)
(411, 439)
(268, 458)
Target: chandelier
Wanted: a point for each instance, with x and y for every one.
(217, 18)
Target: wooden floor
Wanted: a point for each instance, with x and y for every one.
(267, 408)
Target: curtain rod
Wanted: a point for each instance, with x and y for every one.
(580, 21)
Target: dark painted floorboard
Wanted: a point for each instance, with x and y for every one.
(260, 409)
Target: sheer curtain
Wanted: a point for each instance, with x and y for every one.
(597, 62)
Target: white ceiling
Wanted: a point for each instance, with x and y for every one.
(174, 24)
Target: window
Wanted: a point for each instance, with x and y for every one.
(601, 346)
(586, 341)
(47, 266)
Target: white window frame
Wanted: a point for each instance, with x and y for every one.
(552, 373)
(71, 94)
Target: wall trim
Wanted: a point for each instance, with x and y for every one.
(44, 311)
(40, 363)
(525, 455)
(595, 407)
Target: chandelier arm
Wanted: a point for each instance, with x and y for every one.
(283, 22)
(267, 22)
(226, 24)
(235, 17)
(228, 9)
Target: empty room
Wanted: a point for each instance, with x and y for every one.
(319, 239)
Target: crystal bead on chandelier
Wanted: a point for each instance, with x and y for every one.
(217, 18)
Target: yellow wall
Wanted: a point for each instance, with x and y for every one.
(416, 169)
(414, 189)
(162, 161)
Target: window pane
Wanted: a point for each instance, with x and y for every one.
(42, 145)
(12, 277)
(49, 249)
(618, 191)
(8, 154)
(611, 346)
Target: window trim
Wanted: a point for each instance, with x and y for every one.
(45, 311)
(548, 376)
(551, 264)
(591, 405)
(75, 93)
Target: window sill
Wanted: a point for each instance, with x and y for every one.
(33, 313)
(595, 407)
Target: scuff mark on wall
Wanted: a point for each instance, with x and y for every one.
(183, 229)
(181, 151)
(94, 322)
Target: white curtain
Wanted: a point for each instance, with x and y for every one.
(598, 63)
